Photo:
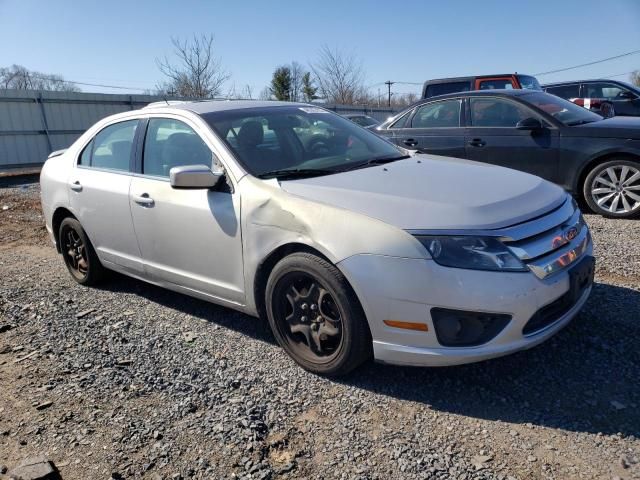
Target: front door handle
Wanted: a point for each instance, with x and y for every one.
(410, 142)
(145, 200)
(477, 142)
(75, 186)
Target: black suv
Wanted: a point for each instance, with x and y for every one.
(624, 98)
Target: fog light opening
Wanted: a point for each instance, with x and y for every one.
(457, 328)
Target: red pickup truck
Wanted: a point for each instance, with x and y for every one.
(443, 86)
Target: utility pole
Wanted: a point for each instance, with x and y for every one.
(388, 83)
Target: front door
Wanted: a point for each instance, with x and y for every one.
(99, 195)
(434, 128)
(624, 101)
(189, 238)
(492, 137)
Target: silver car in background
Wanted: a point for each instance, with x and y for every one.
(348, 246)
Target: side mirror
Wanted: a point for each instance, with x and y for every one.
(626, 95)
(529, 124)
(194, 177)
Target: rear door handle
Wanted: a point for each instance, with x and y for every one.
(75, 186)
(143, 200)
(410, 142)
(477, 142)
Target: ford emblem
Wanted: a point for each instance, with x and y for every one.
(571, 233)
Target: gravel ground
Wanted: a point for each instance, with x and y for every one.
(132, 381)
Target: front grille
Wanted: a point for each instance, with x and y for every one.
(563, 239)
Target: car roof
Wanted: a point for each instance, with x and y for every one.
(473, 77)
(481, 93)
(209, 106)
(573, 82)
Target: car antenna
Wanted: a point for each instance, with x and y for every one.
(164, 97)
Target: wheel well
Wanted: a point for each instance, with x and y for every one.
(58, 216)
(265, 268)
(597, 161)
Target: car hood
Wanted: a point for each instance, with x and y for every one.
(615, 127)
(430, 192)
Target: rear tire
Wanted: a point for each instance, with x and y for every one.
(315, 315)
(78, 253)
(612, 189)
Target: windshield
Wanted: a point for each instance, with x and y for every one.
(529, 83)
(562, 110)
(269, 140)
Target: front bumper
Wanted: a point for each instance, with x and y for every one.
(391, 288)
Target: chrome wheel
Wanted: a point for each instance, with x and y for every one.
(616, 189)
(308, 317)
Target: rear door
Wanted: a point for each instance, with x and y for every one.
(492, 137)
(435, 128)
(99, 194)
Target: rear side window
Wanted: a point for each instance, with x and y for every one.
(438, 115)
(171, 143)
(111, 147)
(565, 91)
(444, 88)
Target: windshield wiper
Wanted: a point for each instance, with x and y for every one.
(374, 161)
(580, 122)
(289, 173)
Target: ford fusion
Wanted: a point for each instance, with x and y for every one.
(348, 246)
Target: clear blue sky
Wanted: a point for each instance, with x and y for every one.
(116, 42)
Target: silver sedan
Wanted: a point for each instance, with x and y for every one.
(351, 248)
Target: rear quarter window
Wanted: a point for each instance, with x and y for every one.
(445, 88)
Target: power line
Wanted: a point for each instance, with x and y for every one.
(53, 78)
(587, 64)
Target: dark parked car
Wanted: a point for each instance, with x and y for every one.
(594, 158)
(624, 98)
(361, 119)
(503, 81)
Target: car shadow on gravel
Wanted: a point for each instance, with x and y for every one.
(222, 316)
(585, 378)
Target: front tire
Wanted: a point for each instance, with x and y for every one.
(78, 253)
(315, 315)
(612, 189)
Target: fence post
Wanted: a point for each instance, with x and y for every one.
(44, 121)
(131, 102)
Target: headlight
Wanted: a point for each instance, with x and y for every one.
(475, 253)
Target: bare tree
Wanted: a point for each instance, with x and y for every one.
(265, 94)
(197, 73)
(340, 76)
(20, 78)
(297, 72)
(635, 78)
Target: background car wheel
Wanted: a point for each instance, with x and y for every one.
(78, 253)
(315, 315)
(612, 189)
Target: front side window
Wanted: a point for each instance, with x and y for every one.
(111, 147)
(527, 82)
(609, 91)
(565, 91)
(171, 143)
(438, 115)
(496, 112)
(402, 121)
(497, 84)
(270, 139)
